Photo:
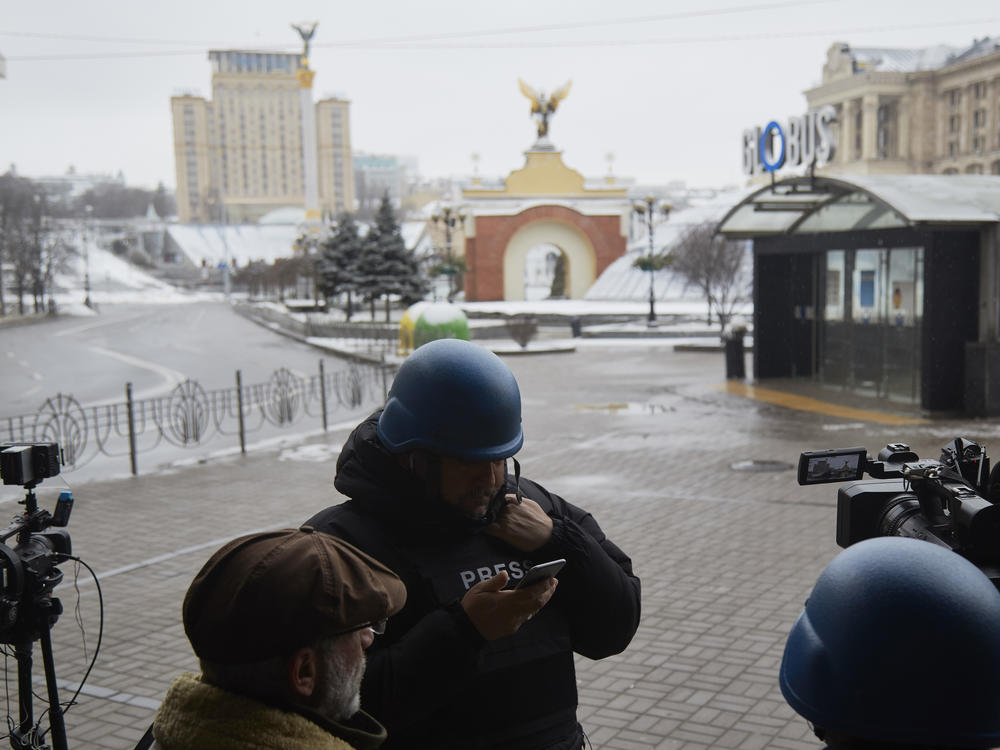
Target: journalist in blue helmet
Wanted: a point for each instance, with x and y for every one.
(898, 646)
(472, 661)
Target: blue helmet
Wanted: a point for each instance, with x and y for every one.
(899, 642)
(456, 399)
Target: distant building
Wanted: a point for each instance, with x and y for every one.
(66, 187)
(239, 155)
(376, 175)
(931, 110)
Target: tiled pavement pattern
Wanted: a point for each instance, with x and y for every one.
(636, 435)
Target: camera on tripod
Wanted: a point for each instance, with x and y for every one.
(949, 501)
(28, 575)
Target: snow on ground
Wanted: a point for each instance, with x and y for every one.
(114, 281)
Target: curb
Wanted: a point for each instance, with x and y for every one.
(343, 353)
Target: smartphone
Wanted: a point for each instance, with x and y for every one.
(540, 572)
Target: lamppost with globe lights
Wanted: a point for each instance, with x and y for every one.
(649, 207)
(447, 220)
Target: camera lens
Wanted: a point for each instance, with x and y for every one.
(902, 517)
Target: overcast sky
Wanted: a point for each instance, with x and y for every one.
(665, 86)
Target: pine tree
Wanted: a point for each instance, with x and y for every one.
(387, 267)
(337, 269)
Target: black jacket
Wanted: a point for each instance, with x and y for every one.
(432, 680)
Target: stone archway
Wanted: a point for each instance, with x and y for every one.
(581, 260)
(496, 250)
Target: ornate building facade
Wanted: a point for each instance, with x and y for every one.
(239, 155)
(913, 111)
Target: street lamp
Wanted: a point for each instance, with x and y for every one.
(87, 231)
(447, 220)
(649, 207)
(38, 251)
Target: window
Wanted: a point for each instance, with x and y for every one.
(954, 123)
(954, 97)
(979, 118)
(979, 90)
(952, 148)
(978, 143)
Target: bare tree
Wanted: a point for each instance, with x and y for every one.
(716, 266)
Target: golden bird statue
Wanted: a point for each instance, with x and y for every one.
(543, 106)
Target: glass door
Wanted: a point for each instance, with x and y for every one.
(873, 309)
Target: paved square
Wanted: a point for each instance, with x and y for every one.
(634, 433)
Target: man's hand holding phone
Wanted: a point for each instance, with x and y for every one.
(496, 612)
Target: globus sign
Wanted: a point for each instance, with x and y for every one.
(802, 140)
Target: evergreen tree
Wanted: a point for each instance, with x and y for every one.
(387, 266)
(337, 269)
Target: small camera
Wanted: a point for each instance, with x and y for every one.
(28, 463)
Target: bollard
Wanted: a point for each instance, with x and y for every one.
(322, 392)
(131, 429)
(735, 359)
(239, 407)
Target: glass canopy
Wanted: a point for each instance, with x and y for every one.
(825, 204)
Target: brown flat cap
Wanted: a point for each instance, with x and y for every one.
(267, 594)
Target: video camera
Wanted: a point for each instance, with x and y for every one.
(949, 501)
(28, 571)
(28, 575)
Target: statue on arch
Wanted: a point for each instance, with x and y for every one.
(306, 31)
(542, 106)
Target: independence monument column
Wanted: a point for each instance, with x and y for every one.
(308, 109)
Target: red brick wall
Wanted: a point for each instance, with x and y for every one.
(484, 252)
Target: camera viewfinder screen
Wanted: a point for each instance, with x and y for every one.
(831, 466)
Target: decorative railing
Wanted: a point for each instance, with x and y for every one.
(192, 416)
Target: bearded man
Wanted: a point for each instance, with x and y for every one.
(280, 622)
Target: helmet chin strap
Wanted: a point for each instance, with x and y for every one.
(517, 480)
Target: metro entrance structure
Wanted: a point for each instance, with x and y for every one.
(883, 285)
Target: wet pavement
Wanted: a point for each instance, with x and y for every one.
(644, 437)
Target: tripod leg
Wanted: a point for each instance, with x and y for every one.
(56, 721)
(22, 737)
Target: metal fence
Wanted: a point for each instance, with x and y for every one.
(191, 416)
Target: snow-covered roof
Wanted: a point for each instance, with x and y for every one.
(240, 242)
(623, 281)
(979, 48)
(416, 238)
(889, 60)
(286, 215)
